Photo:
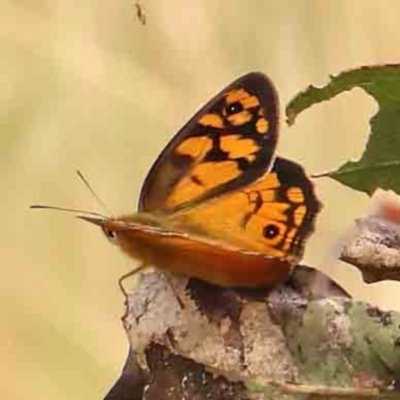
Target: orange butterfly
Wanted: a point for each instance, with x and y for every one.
(216, 205)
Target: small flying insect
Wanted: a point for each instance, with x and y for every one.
(141, 16)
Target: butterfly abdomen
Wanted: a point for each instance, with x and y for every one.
(198, 257)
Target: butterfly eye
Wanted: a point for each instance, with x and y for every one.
(234, 108)
(270, 231)
(111, 235)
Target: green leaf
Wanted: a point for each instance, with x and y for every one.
(379, 165)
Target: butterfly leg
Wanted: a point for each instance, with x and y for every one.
(128, 275)
(170, 282)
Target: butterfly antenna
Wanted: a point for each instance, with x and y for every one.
(73, 210)
(87, 184)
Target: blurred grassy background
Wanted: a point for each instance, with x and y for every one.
(85, 85)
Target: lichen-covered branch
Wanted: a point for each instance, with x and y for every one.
(306, 337)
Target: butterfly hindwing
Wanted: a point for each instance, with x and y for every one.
(284, 208)
(272, 216)
(228, 144)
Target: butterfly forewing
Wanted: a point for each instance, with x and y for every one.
(228, 144)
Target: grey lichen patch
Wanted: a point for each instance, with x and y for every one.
(155, 315)
(319, 342)
(264, 343)
(338, 324)
(152, 310)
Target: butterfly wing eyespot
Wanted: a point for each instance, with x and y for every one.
(270, 231)
(234, 108)
(228, 144)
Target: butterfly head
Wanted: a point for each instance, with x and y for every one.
(124, 231)
(107, 225)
